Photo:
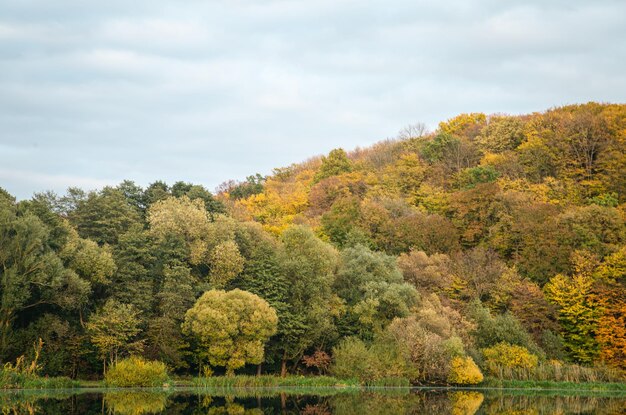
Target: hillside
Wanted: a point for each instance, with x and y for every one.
(495, 244)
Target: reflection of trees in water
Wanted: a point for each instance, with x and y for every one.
(440, 402)
(135, 402)
(9, 406)
(539, 405)
(376, 402)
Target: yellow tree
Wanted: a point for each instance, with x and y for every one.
(579, 310)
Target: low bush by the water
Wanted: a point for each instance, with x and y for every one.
(508, 356)
(463, 371)
(369, 364)
(244, 381)
(136, 372)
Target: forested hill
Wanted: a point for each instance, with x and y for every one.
(491, 238)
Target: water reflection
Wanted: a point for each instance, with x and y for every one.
(135, 402)
(313, 402)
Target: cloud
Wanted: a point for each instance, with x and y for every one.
(210, 91)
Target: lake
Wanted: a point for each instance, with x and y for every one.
(325, 401)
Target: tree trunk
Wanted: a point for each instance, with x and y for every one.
(259, 369)
(283, 366)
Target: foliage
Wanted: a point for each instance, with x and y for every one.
(427, 248)
(508, 356)
(463, 371)
(336, 163)
(578, 309)
(268, 381)
(226, 263)
(354, 359)
(232, 327)
(136, 372)
(112, 330)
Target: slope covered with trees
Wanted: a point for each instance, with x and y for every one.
(495, 244)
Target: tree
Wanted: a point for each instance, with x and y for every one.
(226, 263)
(165, 338)
(578, 309)
(308, 265)
(185, 218)
(336, 163)
(103, 216)
(112, 330)
(232, 327)
(32, 276)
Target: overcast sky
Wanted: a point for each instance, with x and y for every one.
(94, 92)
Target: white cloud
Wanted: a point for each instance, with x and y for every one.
(217, 90)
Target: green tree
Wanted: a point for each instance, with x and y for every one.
(336, 163)
(308, 265)
(112, 329)
(32, 275)
(232, 327)
(103, 216)
(226, 263)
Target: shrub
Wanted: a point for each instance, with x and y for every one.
(370, 365)
(136, 371)
(508, 356)
(463, 371)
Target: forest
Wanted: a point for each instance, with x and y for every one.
(494, 246)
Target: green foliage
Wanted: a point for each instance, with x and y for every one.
(268, 381)
(112, 330)
(136, 372)
(336, 163)
(470, 177)
(503, 328)
(226, 263)
(232, 327)
(353, 359)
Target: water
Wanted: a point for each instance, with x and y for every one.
(310, 402)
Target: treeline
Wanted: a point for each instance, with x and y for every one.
(496, 245)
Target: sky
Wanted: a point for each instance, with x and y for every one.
(95, 92)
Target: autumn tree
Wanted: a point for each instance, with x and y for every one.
(578, 308)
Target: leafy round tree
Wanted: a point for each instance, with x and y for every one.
(232, 327)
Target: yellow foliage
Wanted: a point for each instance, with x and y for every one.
(504, 355)
(463, 371)
(280, 203)
(463, 122)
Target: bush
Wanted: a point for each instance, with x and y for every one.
(463, 371)
(508, 356)
(136, 371)
(382, 360)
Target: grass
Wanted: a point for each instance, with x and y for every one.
(15, 380)
(547, 384)
(269, 381)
